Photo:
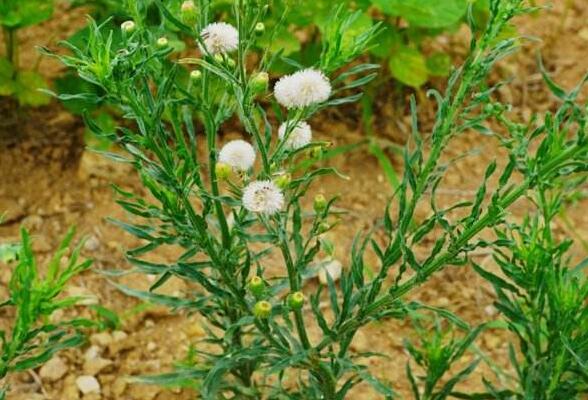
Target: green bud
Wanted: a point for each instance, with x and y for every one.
(128, 27)
(256, 287)
(296, 300)
(195, 76)
(320, 203)
(162, 42)
(260, 82)
(316, 152)
(259, 29)
(231, 63)
(283, 181)
(223, 171)
(219, 58)
(189, 12)
(262, 309)
(324, 227)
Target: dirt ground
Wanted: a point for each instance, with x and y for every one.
(47, 183)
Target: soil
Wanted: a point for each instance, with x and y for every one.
(47, 183)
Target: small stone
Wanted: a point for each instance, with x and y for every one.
(102, 339)
(53, 370)
(88, 384)
(96, 365)
(195, 330)
(92, 243)
(119, 386)
(151, 346)
(334, 268)
(119, 336)
(92, 353)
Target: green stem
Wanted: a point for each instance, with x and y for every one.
(11, 44)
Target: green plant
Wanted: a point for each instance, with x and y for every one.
(438, 350)
(33, 339)
(228, 213)
(543, 298)
(23, 84)
(407, 25)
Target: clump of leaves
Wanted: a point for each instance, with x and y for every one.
(406, 27)
(440, 347)
(263, 348)
(543, 297)
(32, 338)
(23, 84)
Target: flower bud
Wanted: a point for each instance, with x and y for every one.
(296, 300)
(316, 152)
(256, 287)
(231, 63)
(223, 171)
(189, 12)
(219, 58)
(260, 82)
(128, 27)
(283, 181)
(262, 309)
(323, 227)
(195, 76)
(162, 42)
(259, 29)
(320, 203)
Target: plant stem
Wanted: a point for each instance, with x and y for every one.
(11, 44)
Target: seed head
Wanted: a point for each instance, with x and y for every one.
(302, 89)
(220, 38)
(296, 137)
(263, 197)
(238, 154)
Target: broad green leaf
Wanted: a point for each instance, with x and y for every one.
(425, 13)
(409, 66)
(388, 41)
(27, 88)
(17, 14)
(439, 64)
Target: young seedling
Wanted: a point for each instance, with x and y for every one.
(33, 338)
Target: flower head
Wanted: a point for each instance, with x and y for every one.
(298, 137)
(220, 38)
(238, 154)
(303, 89)
(263, 197)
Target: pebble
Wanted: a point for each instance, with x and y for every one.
(334, 268)
(88, 384)
(53, 370)
(92, 243)
(151, 346)
(96, 365)
(102, 339)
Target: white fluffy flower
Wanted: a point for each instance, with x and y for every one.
(302, 89)
(238, 154)
(263, 197)
(299, 136)
(220, 38)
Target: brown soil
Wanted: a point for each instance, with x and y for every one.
(47, 187)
